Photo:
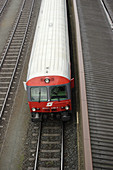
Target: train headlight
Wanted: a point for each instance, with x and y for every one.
(47, 80)
(33, 109)
(67, 107)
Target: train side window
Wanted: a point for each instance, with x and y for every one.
(39, 94)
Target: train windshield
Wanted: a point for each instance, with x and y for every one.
(39, 94)
(58, 93)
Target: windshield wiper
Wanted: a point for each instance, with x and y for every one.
(39, 95)
(58, 98)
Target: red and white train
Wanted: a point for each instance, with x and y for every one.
(49, 76)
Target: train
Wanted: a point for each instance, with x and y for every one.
(49, 81)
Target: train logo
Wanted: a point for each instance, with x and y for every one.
(49, 104)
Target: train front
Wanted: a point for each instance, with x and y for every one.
(49, 97)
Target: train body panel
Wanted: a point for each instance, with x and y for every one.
(53, 80)
(50, 107)
(50, 50)
(49, 77)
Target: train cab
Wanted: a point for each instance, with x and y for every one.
(48, 98)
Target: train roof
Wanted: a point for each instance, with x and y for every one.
(50, 50)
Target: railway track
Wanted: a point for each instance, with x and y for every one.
(47, 146)
(50, 146)
(12, 55)
(3, 3)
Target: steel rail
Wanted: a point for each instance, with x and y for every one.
(110, 20)
(62, 149)
(83, 99)
(12, 77)
(38, 146)
(1, 10)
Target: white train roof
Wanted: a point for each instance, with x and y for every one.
(50, 50)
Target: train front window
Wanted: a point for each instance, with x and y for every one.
(58, 93)
(39, 94)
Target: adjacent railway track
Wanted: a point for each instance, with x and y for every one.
(9, 61)
(3, 3)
